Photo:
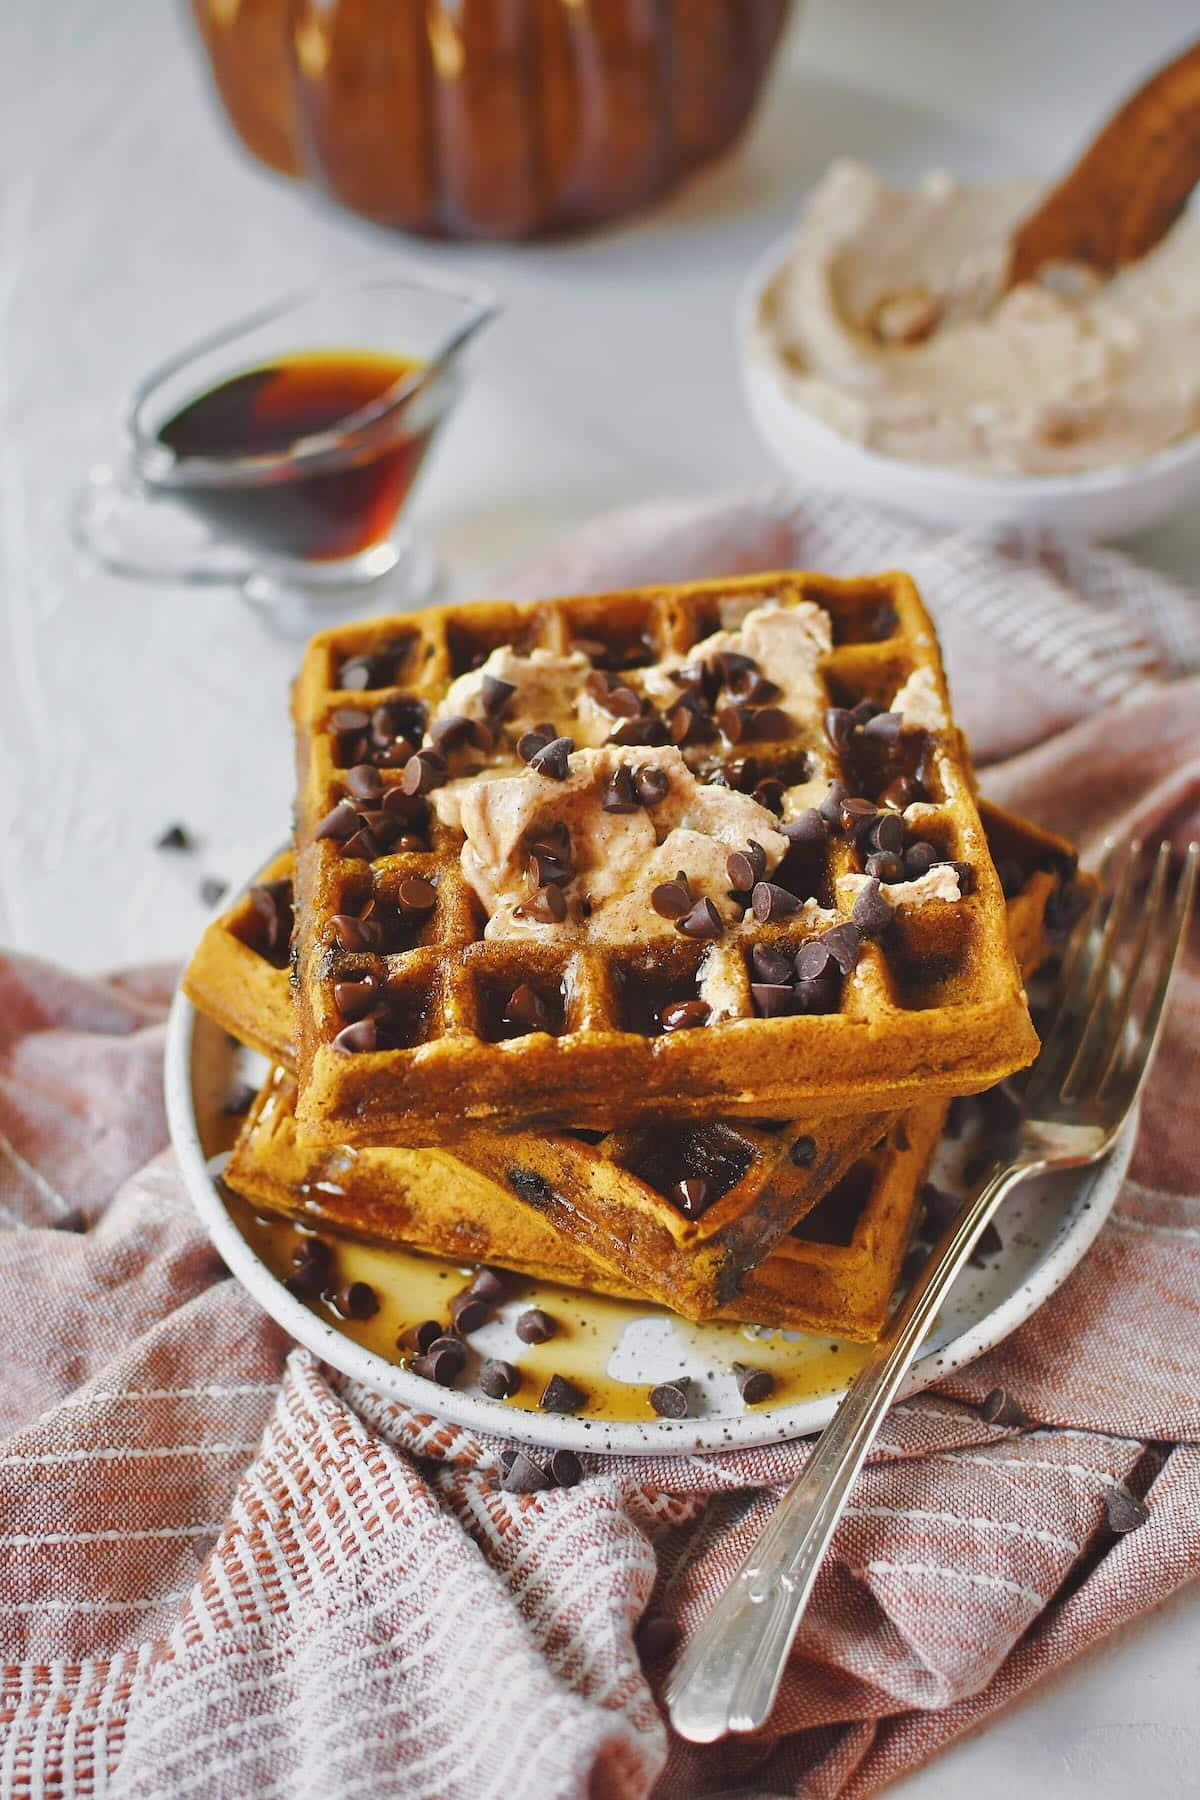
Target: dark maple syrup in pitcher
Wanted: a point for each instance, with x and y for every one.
(316, 516)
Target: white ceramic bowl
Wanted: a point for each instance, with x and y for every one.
(1101, 503)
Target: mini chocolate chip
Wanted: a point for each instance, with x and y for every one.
(692, 1196)
(415, 894)
(670, 1398)
(990, 1243)
(645, 732)
(804, 1152)
(999, 1408)
(419, 1336)
(523, 1476)
(619, 796)
(239, 1100)
(965, 873)
(753, 1384)
(769, 793)
(843, 943)
(886, 726)
(856, 814)
(354, 999)
(882, 867)
(175, 837)
(807, 827)
(362, 1036)
(449, 1344)
(819, 995)
(495, 694)
(703, 922)
(565, 1469)
(364, 781)
(671, 899)
(489, 1284)
(357, 1300)
(340, 823)
(623, 703)
(423, 772)
(357, 934)
(312, 1262)
(213, 890)
(733, 667)
(685, 1015)
(830, 808)
(561, 1396)
(408, 808)
(771, 902)
(469, 1312)
(758, 691)
(741, 773)
(1124, 1513)
(770, 966)
(919, 858)
(535, 1326)
(872, 913)
(887, 833)
(812, 959)
(548, 905)
(527, 1008)
(651, 784)
(437, 1365)
(745, 867)
(899, 793)
(941, 1208)
(499, 1380)
(451, 733)
(551, 759)
(655, 1637)
(734, 722)
(769, 722)
(773, 1000)
(530, 742)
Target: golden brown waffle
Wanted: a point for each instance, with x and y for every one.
(835, 1273)
(238, 974)
(615, 1199)
(934, 1008)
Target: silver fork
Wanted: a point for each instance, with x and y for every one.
(1081, 1091)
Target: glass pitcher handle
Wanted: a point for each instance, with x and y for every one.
(138, 531)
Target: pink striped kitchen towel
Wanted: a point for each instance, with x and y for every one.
(227, 1571)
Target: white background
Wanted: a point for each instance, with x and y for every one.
(130, 224)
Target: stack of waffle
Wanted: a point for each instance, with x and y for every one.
(637, 941)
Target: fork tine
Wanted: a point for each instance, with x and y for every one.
(1096, 996)
(1108, 1054)
(1060, 1036)
(1133, 1066)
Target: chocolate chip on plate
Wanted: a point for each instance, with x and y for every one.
(437, 1365)
(449, 1344)
(535, 1326)
(670, 1398)
(771, 902)
(561, 1396)
(565, 1469)
(498, 1379)
(419, 1336)
(212, 890)
(941, 1208)
(989, 1243)
(489, 1284)
(872, 913)
(999, 1408)
(552, 759)
(655, 1637)
(470, 1312)
(685, 1015)
(1123, 1511)
(753, 1384)
(703, 922)
(357, 1300)
(175, 837)
(524, 1476)
(804, 1152)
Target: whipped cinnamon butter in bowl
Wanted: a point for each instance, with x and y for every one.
(884, 354)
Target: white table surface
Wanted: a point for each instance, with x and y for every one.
(130, 224)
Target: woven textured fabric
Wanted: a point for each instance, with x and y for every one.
(226, 1571)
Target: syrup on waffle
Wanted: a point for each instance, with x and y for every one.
(471, 950)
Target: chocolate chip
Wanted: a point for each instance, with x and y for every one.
(340, 823)
(771, 902)
(734, 722)
(499, 1380)
(919, 858)
(820, 995)
(423, 772)
(1124, 1513)
(843, 943)
(773, 1000)
(807, 827)
(623, 703)
(362, 1036)
(655, 1637)
(769, 793)
(990, 1243)
(312, 1264)
(999, 1408)
(175, 837)
(415, 894)
(756, 690)
(495, 694)
(704, 922)
(451, 733)
(685, 1015)
(769, 722)
(527, 1009)
(692, 1196)
(830, 808)
(941, 1208)
(651, 784)
(364, 781)
(899, 793)
(670, 1398)
(885, 726)
(535, 1326)
(551, 759)
(687, 724)
(733, 667)
(965, 873)
(753, 1384)
(887, 833)
(407, 808)
(646, 732)
(856, 814)
(671, 899)
(812, 959)
(354, 999)
(882, 867)
(742, 773)
(864, 710)
(469, 1312)
(523, 1476)
(419, 1336)
(437, 1365)
(530, 742)
(357, 934)
(804, 1152)
(357, 1300)
(239, 1100)
(619, 795)
(362, 844)
(544, 869)
(872, 913)
(565, 1469)
(745, 867)
(561, 1396)
(449, 1344)
(770, 966)
(548, 906)
(213, 890)
(489, 1284)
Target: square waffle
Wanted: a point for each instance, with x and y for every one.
(569, 1000)
(614, 1201)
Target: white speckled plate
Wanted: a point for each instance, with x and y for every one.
(1046, 1227)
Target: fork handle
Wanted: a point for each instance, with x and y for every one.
(728, 1677)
